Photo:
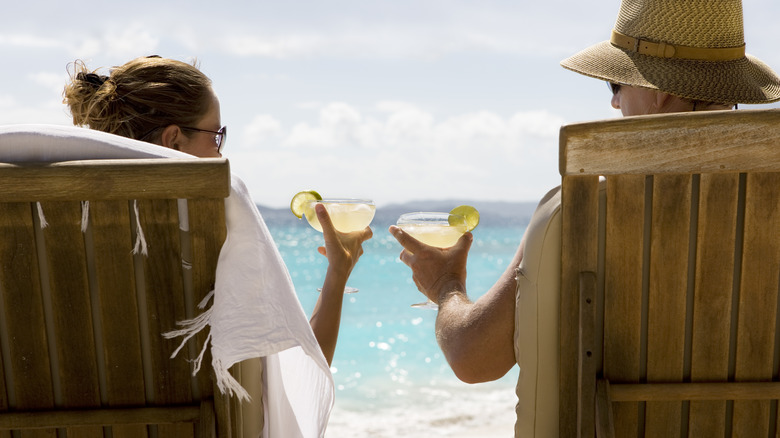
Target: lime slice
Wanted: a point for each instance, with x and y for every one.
(470, 213)
(298, 203)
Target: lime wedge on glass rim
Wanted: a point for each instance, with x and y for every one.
(299, 201)
(469, 213)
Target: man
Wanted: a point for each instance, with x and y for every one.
(663, 56)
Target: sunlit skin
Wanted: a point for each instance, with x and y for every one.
(636, 101)
(469, 332)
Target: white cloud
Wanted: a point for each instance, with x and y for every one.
(7, 101)
(278, 46)
(52, 81)
(52, 113)
(134, 40)
(123, 42)
(339, 125)
(404, 153)
(263, 128)
(27, 41)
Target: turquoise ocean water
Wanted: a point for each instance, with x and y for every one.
(387, 363)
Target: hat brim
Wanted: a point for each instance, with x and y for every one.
(746, 80)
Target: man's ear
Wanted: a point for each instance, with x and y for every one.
(171, 136)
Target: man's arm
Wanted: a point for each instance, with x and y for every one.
(477, 338)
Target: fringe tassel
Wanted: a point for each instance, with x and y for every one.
(225, 381)
(190, 328)
(140, 240)
(41, 217)
(84, 215)
(205, 301)
(228, 384)
(199, 359)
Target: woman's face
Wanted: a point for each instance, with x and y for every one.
(199, 143)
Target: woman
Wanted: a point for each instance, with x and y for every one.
(172, 104)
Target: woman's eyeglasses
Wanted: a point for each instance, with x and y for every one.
(219, 136)
(613, 87)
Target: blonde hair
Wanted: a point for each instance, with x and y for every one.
(139, 97)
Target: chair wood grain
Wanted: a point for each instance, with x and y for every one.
(691, 258)
(81, 315)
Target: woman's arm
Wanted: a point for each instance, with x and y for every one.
(343, 251)
(477, 338)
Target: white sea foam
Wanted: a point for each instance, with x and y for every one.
(451, 410)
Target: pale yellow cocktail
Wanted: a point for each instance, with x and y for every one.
(438, 235)
(347, 215)
(441, 230)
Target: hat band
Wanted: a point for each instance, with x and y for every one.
(665, 50)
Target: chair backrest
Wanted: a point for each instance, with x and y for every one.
(669, 294)
(81, 313)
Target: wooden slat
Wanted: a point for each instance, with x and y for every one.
(587, 353)
(18, 271)
(162, 271)
(758, 295)
(77, 382)
(70, 302)
(116, 179)
(606, 423)
(667, 143)
(207, 424)
(99, 417)
(207, 234)
(24, 336)
(579, 254)
(623, 290)
(163, 276)
(713, 296)
(23, 302)
(222, 408)
(112, 241)
(667, 295)
(110, 227)
(179, 430)
(621, 392)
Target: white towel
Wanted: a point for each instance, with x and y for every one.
(255, 312)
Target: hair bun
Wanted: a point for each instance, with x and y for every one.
(94, 79)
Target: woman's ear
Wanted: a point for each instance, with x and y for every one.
(171, 136)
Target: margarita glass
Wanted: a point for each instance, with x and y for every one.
(347, 215)
(441, 230)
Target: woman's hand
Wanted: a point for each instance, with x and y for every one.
(435, 271)
(342, 249)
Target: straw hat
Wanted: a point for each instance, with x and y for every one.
(689, 48)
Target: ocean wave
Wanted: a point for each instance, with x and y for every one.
(485, 410)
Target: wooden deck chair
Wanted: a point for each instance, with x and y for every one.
(81, 315)
(670, 321)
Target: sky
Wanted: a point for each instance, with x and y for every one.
(392, 100)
